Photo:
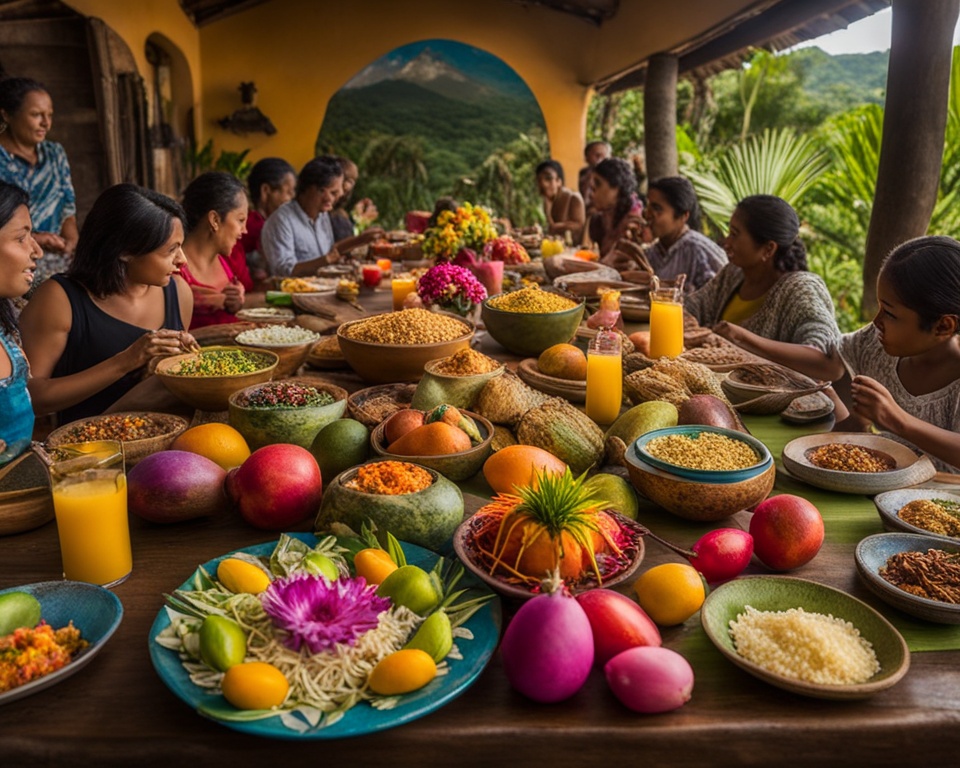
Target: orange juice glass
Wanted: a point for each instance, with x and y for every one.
(90, 503)
(604, 377)
(666, 323)
(402, 286)
(386, 266)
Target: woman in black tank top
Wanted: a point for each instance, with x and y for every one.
(89, 333)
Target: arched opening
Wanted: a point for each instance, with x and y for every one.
(438, 117)
(170, 113)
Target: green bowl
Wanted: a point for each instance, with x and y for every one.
(530, 333)
(265, 426)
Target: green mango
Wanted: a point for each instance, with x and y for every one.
(412, 587)
(222, 643)
(18, 609)
(434, 636)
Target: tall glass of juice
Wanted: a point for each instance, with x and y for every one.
(666, 322)
(604, 377)
(90, 502)
(402, 285)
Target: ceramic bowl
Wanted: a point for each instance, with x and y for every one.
(427, 518)
(612, 573)
(529, 333)
(781, 593)
(910, 469)
(764, 459)
(383, 363)
(168, 426)
(872, 554)
(264, 426)
(890, 503)
(695, 500)
(267, 315)
(454, 466)
(212, 393)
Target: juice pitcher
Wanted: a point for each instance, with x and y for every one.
(666, 317)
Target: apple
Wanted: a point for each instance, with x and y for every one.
(617, 622)
(722, 554)
(787, 532)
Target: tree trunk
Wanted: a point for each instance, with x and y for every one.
(660, 116)
(915, 115)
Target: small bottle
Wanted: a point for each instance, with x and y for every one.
(604, 377)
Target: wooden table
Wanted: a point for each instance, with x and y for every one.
(117, 711)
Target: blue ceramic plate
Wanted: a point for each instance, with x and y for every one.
(780, 593)
(890, 503)
(764, 459)
(95, 611)
(362, 719)
(872, 554)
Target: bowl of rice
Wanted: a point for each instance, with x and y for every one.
(703, 453)
(286, 411)
(292, 344)
(395, 346)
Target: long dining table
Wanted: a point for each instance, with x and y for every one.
(117, 711)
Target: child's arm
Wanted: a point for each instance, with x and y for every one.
(800, 357)
(871, 400)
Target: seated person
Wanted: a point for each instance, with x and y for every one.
(271, 183)
(674, 218)
(364, 212)
(215, 204)
(618, 211)
(19, 254)
(563, 207)
(906, 363)
(765, 300)
(594, 153)
(90, 334)
(298, 238)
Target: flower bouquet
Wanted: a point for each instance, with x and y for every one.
(451, 287)
(469, 226)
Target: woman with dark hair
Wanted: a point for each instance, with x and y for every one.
(364, 212)
(215, 204)
(673, 214)
(298, 239)
(90, 334)
(40, 168)
(619, 212)
(19, 253)
(563, 207)
(272, 182)
(906, 363)
(765, 300)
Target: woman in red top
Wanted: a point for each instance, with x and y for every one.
(272, 183)
(216, 208)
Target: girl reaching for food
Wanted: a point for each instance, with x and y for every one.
(905, 365)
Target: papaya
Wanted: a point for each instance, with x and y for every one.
(435, 439)
(564, 361)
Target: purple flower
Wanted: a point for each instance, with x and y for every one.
(448, 284)
(320, 613)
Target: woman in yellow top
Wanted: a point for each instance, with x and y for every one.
(765, 300)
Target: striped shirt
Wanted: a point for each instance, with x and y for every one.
(289, 237)
(48, 183)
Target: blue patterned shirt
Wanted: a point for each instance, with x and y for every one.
(48, 183)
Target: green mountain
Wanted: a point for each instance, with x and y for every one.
(851, 78)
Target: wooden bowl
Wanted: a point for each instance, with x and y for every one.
(530, 333)
(212, 393)
(910, 470)
(382, 363)
(265, 426)
(25, 499)
(454, 466)
(693, 500)
(780, 593)
(133, 450)
(872, 554)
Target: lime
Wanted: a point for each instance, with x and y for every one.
(341, 444)
(434, 636)
(321, 565)
(615, 492)
(18, 609)
(222, 643)
(412, 587)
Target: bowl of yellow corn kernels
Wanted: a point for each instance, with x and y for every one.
(207, 378)
(528, 321)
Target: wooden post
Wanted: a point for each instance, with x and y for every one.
(915, 115)
(660, 116)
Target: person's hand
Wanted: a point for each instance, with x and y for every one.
(161, 343)
(50, 243)
(373, 233)
(365, 212)
(233, 297)
(873, 401)
(69, 246)
(333, 256)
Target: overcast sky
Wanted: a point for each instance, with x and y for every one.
(869, 34)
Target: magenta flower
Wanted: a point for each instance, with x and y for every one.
(451, 287)
(320, 613)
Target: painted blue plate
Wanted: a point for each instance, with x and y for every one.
(362, 719)
(95, 611)
(764, 459)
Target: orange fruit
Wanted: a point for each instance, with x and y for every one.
(220, 443)
(516, 465)
(254, 685)
(402, 671)
(374, 565)
(670, 593)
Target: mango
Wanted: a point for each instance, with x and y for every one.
(412, 587)
(434, 636)
(241, 576)
(654, 414)
(564, 361)
(436, 439)
(222, 643)
(615, 492)
(18, 609)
